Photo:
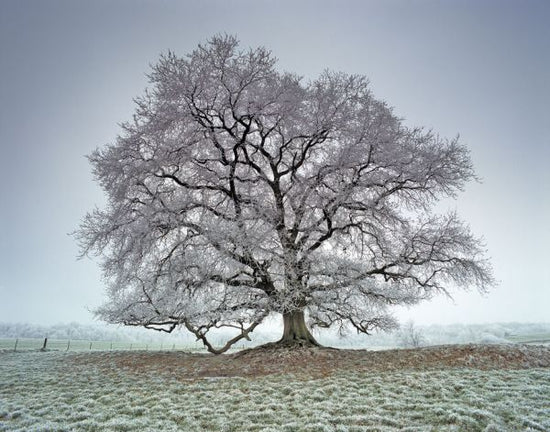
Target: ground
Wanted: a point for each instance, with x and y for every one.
(319, 362)
(451, 388)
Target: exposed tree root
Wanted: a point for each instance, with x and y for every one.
(286, 345)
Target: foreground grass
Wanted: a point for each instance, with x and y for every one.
(49, 392)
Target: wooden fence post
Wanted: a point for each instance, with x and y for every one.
(68, 344)
(16, 342)
(45, 343)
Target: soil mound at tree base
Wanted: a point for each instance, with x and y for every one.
(319, 361)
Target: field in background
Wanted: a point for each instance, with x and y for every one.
(62, 391)
(189, 345)
(102, 337)
(535, 338)
(24, 344)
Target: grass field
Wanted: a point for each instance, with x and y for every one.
(64, 391)
(539, 338)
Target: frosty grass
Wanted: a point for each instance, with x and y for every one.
(45, 391)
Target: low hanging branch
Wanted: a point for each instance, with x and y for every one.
(200, 333)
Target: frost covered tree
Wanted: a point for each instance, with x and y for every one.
(410, 336)
(239, 191)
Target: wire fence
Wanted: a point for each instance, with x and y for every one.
(25, 344)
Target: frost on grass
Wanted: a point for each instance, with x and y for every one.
(51, 392)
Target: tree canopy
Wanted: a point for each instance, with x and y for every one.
(238, 191)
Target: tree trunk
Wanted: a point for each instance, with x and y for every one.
(295, 330)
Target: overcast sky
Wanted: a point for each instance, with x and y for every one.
(70, 69)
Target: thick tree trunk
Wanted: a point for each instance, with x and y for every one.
(296, 331)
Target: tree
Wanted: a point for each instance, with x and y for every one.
(410, 336)
(239, 191)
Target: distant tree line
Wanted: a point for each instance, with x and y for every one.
(77, 331)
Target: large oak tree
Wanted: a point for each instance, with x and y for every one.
(239, 191)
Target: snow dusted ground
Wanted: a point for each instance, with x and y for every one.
(138, 391)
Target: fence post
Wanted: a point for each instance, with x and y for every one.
(90, 346)
(68, 344)
(111, 346)
(16, 342)
(45, 343)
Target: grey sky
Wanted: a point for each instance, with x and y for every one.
(69, 70)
